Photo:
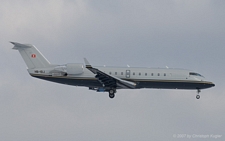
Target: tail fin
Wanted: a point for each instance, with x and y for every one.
(31, 55)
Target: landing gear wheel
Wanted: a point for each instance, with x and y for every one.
(197, 96)
(112, 93)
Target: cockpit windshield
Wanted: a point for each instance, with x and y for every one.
(195, 74)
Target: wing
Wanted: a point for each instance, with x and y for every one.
(109, 81)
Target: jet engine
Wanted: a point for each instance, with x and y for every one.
(74, 69)
(68, 69)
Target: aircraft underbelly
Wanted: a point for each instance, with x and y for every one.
(73, 82)
(141, 84)
(173, 85)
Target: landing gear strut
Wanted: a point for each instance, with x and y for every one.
(112, 93)
(198, 96)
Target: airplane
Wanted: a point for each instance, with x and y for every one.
(109, 79)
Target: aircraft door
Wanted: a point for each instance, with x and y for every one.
(127, 73)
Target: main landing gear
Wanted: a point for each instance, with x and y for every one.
(198, 96)
(112, 93)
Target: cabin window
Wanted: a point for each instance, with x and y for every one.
(115, 73)
(133, 73)
(164, 74)
(121, 73)
(152, 74)
(139, 73)
(158, 74)
(146, 74)
(109, 72)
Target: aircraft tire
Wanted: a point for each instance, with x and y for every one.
(197, 96)
(111, 95)
(111, 91)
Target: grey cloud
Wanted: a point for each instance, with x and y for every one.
(185, 34)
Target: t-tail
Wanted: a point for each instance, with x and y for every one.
(31, 56)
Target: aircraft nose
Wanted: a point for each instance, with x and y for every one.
(211, 84)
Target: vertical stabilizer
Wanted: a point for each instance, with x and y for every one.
(31, 55)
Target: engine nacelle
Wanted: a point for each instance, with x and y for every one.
(73, 69)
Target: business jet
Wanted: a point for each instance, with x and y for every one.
(109, 79)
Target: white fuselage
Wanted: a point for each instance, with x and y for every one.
(144, 77)
(108, 79)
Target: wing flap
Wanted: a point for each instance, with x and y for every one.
(108, 80)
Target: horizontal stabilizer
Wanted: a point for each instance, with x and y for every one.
(20, 46)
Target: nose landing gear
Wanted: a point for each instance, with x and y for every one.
(198, 96)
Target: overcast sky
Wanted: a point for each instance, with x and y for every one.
(145, 33)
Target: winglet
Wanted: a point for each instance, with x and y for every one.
(88, 65)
